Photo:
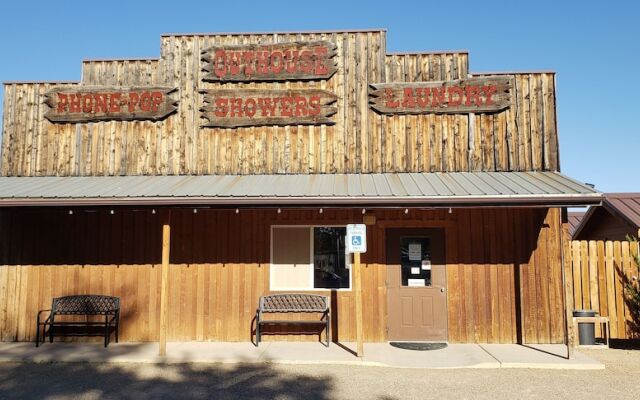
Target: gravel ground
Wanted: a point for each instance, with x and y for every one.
(620, 380)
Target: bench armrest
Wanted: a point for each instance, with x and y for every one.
(40, 313)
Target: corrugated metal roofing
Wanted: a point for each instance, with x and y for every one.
(573, 219)
(544, 188)
(627, 205)
(622, 205)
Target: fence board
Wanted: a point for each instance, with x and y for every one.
(600, 272)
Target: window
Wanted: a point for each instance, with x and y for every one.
(329, 258)
(307, 258)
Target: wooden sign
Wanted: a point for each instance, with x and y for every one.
(472, 95)
(270, 62)
(103, 103)
(230, 108)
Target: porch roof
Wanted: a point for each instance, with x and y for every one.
(440, 189)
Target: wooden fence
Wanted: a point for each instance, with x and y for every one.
(600, 271)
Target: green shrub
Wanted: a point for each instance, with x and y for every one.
(632, 289)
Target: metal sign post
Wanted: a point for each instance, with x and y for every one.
(356, 244)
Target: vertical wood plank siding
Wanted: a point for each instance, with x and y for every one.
(215, 283)
(521, 138)
(600, 271)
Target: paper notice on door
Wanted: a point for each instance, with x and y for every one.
(415, 251)
(426, 265)
(415, 271)
(416, 282)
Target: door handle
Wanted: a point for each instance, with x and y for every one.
(439, 287)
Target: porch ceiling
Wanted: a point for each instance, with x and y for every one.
(439, 189)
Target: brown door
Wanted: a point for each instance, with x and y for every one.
(416, 284)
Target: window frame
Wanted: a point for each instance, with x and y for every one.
(311, 288)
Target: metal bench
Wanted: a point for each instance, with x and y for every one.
(90, 306)
(293, 303)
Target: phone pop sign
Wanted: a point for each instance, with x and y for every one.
(356, 238)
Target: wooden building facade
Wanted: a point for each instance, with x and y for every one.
(345, 108)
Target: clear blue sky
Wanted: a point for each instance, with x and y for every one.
(593, 47)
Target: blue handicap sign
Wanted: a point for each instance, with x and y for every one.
(356, 240)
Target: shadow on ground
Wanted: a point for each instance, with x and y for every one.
(625, 344)
(171, 381)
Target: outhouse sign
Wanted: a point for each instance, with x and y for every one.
(312, 60)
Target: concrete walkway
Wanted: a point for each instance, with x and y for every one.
(376, 354)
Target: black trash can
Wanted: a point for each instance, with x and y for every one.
(586, 330)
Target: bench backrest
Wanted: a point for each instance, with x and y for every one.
(294, 303)
(89, 304)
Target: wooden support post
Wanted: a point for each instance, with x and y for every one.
(567, 281)
(164, 288)
(357, 277)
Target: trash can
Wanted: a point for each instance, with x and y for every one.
(586, 330)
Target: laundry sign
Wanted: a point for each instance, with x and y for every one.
(472, 95)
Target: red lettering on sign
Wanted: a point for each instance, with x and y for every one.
(321, 56)
(75, 103)
(63, 102)
(233, 62)
(422, 97)
(114, 105)
(248, 57)
(222, 107)
(96, 103)
(285, 109)
(101, 103)
(457, 91)
(408, 100)
(263, 62)
(306, 63)
(145, 101)
(87, 103)
(236, 107)
(301, 106)
(134, 98)
(473, 96)
(156, 98)
(314, 105)
(219, 63)
(391, 102)
(488, 92)
(437, 96)
(276, 62)
(250, 107)
(267, 106)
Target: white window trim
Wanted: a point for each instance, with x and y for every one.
(348, 260)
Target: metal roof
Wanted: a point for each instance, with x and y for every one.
(625, 206)
(573, 219)
(429, 189)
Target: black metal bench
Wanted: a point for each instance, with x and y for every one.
(293, 303)
(91, 306)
